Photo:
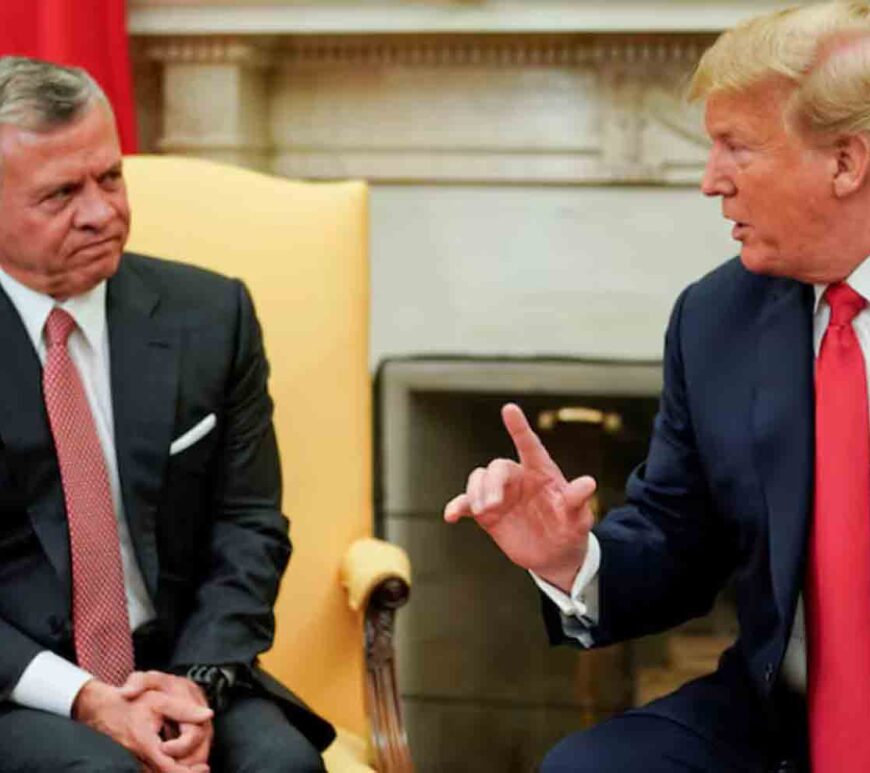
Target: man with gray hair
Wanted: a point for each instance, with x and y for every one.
(759, 463)
(137, 572)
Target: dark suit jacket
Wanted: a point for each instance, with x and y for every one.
(206, 523)
(726, 488)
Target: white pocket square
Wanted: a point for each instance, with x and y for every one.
(193, 435)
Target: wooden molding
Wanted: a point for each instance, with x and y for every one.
(504, 109)
(389, 738)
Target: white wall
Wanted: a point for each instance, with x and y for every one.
(571, 271)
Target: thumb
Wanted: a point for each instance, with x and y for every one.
(134, 686)
(579, 491)
(458, 507)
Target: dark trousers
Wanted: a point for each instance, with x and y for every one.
(252, 736)
(716, 724)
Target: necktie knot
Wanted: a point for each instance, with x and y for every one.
(845, 303)
(58, 327)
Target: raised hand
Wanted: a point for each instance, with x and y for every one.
(540, 520)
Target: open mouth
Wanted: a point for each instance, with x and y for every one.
(739, 228)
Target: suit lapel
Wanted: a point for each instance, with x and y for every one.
(144, 372)
(26, 439)
(783, 432)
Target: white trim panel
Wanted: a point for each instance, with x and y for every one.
(153, 17)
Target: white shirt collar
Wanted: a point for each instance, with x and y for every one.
(87, 309)
(858, 280)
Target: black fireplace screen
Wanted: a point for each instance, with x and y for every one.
(482, 690)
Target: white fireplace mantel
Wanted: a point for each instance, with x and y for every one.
(497, 91)
(529, 161)
(291, 17)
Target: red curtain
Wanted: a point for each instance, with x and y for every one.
(86, 33)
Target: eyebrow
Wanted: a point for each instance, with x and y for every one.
(116, 167)
(56, 185)
(726, 134)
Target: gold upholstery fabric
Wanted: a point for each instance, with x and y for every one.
(302, 250)
(369, 562)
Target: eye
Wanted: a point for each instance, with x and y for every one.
(61, 193)
(111, 179)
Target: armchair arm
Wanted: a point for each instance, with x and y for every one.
(369, 562)
(377, 576)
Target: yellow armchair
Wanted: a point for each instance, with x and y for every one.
(302, 250)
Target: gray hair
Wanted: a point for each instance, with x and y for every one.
(38, 96)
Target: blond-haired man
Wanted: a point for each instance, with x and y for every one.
(759, 465)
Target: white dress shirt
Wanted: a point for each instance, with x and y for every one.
(580, 609)
(50, 682)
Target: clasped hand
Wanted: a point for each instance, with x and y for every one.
(540, 520)
(164, 720)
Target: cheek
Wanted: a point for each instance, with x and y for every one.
(42, 234)
(805, 209)
(122, 203)
(122, 210)
(55, 234)
(779, 207)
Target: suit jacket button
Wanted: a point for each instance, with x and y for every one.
(768, 672)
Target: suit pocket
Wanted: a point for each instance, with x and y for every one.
(193, 436)
(195, 457)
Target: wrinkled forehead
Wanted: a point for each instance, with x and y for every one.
(762, 107)
(89, 142)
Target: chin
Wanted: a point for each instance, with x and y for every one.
(762, 262)
(84, 278)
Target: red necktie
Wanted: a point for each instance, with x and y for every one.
(101, 628)
(838, 579)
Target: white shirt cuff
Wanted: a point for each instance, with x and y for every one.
(583, 601)
(50, 683)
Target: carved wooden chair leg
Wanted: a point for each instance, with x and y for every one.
(382, 693)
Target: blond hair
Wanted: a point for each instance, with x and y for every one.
(822, 50)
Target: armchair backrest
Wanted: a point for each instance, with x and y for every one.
(302, 250)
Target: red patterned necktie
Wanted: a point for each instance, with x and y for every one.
(838, 578)
(103, 643)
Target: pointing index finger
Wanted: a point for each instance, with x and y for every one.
(529, 447)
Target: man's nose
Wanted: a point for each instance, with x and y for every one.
(94, 210)
(715, 181)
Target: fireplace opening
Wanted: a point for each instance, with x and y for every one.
(482, 690)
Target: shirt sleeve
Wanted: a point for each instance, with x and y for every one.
(50, 683)
(579, 611)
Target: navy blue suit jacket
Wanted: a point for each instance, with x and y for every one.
(726, 488)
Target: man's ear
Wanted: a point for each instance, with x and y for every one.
(852, 158)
